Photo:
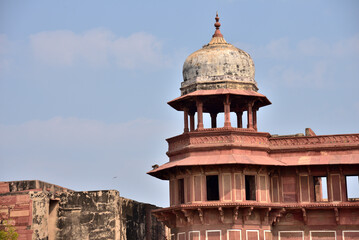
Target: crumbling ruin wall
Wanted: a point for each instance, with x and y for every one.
(40, 215)
(40, 211)
(89, 215)
(104, 215)
(140, 223)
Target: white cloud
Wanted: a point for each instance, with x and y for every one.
(310, 62)
(98, 47)
(316, 47)
(284, 48)
(314, 77)
(278, 48)
(347, 47)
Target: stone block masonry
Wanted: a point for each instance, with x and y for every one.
(40, 211)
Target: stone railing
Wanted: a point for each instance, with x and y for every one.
(331, 140)
(241, 138)
(220, 136)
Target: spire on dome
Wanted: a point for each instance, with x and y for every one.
(217, 36)
(217, 33)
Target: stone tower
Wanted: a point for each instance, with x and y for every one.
(233, 182)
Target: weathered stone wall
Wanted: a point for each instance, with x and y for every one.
(40, 214)
(40, 211)
(32, 185)
(89, 215)
(140, 224)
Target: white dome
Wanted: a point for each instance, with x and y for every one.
(218, 65)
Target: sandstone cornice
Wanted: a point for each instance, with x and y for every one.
(257, 205)
(241, 138)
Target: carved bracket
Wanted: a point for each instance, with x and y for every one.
(179, 216)
(246, 213)
(167, 218)
(336, 213)
(261, 170)
(276, 215)
(265, 214)
(188, 215)
(221, 214)
(200, 214)
(305, 218)
(235, 213)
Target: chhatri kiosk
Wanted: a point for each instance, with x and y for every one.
(232, 182)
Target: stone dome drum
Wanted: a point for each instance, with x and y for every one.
(218, 65)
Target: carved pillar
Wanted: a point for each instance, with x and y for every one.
(185, 113)
(227, 112)
(255, 119)
(239, 119)
(191, 121)
(200, 114)
(214, 120)
(250, 116)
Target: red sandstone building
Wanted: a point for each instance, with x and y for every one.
(235, 183)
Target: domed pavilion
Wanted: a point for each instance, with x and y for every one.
(233, 182)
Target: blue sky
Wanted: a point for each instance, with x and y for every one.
(84, 84)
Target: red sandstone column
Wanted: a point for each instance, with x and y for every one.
(200, 114)
(239, 119)
(185, 111)
(255, 119)
(227, 112)
(250, 116)
(191, 121)
(214, 120)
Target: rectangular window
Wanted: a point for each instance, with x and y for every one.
(304, 188)
(289, 188)
(250, 183)
(181, 190)
(181, 236)
(262, 188)
(197, 188)
(194, 235)
(352, 186)
(323, 235)
(188, 189)
(234, 234)
(336, 189)
(275, 189)
(227, 187)
(213, 235)
(320, 189)
(238, 187)
(291, 235)
(212, 188)
(268, 235)
(252, 234)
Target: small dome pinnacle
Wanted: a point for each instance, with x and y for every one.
(217, 33)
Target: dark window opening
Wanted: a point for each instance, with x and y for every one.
(181, 190)
(250, 182)
(212, 188)
(320, 189)
(352, 186)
